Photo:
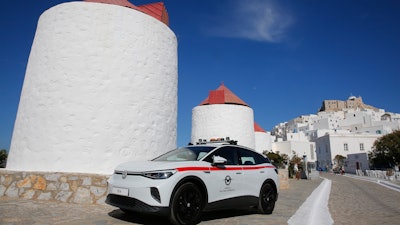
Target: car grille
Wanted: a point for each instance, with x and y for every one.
(131, 204)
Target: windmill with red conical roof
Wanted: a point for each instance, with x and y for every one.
(223, 114)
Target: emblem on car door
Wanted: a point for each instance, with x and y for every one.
(228, 180)
(124, 174)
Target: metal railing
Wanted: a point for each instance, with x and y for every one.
(381, 174)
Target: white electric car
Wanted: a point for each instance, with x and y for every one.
(187, 181)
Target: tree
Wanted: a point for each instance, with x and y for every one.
(339, 159)
(386, 151)
(295, 160)
(3, 156)
(277, 160)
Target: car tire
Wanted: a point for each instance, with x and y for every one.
(267, 199)
(187, 204)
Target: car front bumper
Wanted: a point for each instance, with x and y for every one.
(135, 205)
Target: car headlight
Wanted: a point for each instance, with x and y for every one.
(161, 174)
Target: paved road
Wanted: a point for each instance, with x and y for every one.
(13, 211)
(354, 201)
(351, 202)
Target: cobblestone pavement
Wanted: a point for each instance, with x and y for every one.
(18, 211)
(354, 201)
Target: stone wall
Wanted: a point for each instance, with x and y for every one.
(77, 188)
(61, 187)
(283, 179)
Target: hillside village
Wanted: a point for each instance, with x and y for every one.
(347, 128)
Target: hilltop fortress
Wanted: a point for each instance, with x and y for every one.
(351, 103)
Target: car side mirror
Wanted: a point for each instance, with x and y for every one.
(218, 160)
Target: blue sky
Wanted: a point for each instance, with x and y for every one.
(283, 58)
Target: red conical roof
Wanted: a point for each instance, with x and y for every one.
(156, 10)
(258, 128)
(223, 96)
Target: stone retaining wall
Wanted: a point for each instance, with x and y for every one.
(66, 187)
(46, 186)
(283, 179)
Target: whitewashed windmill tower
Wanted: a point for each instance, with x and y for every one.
(100, 88)
(222, 114)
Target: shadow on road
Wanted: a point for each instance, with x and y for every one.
(138, 218)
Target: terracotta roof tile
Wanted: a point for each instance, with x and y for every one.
(156, 10)
(258, 128)
(223, 96)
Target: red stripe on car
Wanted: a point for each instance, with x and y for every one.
(183, 169)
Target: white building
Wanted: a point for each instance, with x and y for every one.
(357, 161)
(262, 139)
(331, 145)
(296, 147)
(100, 88)
(328, 121)
(347, 124)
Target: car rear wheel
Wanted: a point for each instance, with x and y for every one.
(267, 199)
(187, 205)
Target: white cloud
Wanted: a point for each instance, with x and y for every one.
(259, 20)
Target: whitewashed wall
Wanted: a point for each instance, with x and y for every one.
(262, 141)
(100, 89)
(223, 120)
(328, 146)
(353, 142)
(300, 148)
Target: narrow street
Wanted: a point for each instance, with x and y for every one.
(354, 201)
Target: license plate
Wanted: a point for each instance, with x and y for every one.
(120, 191)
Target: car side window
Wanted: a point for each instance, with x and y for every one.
(247, 157)
(227, 152)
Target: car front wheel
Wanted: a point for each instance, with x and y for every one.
(187, 205)
(267, 199)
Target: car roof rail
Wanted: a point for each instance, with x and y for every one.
(226, 141)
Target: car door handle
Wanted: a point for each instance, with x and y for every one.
(238, 172)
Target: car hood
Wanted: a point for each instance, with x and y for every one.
(142, 166)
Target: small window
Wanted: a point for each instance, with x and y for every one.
(346, 147)
(247, 160)
(361, 146)
(248, 157)
(226, 152)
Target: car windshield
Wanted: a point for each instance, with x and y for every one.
(189, 153)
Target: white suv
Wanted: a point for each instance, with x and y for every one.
(184, 182)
